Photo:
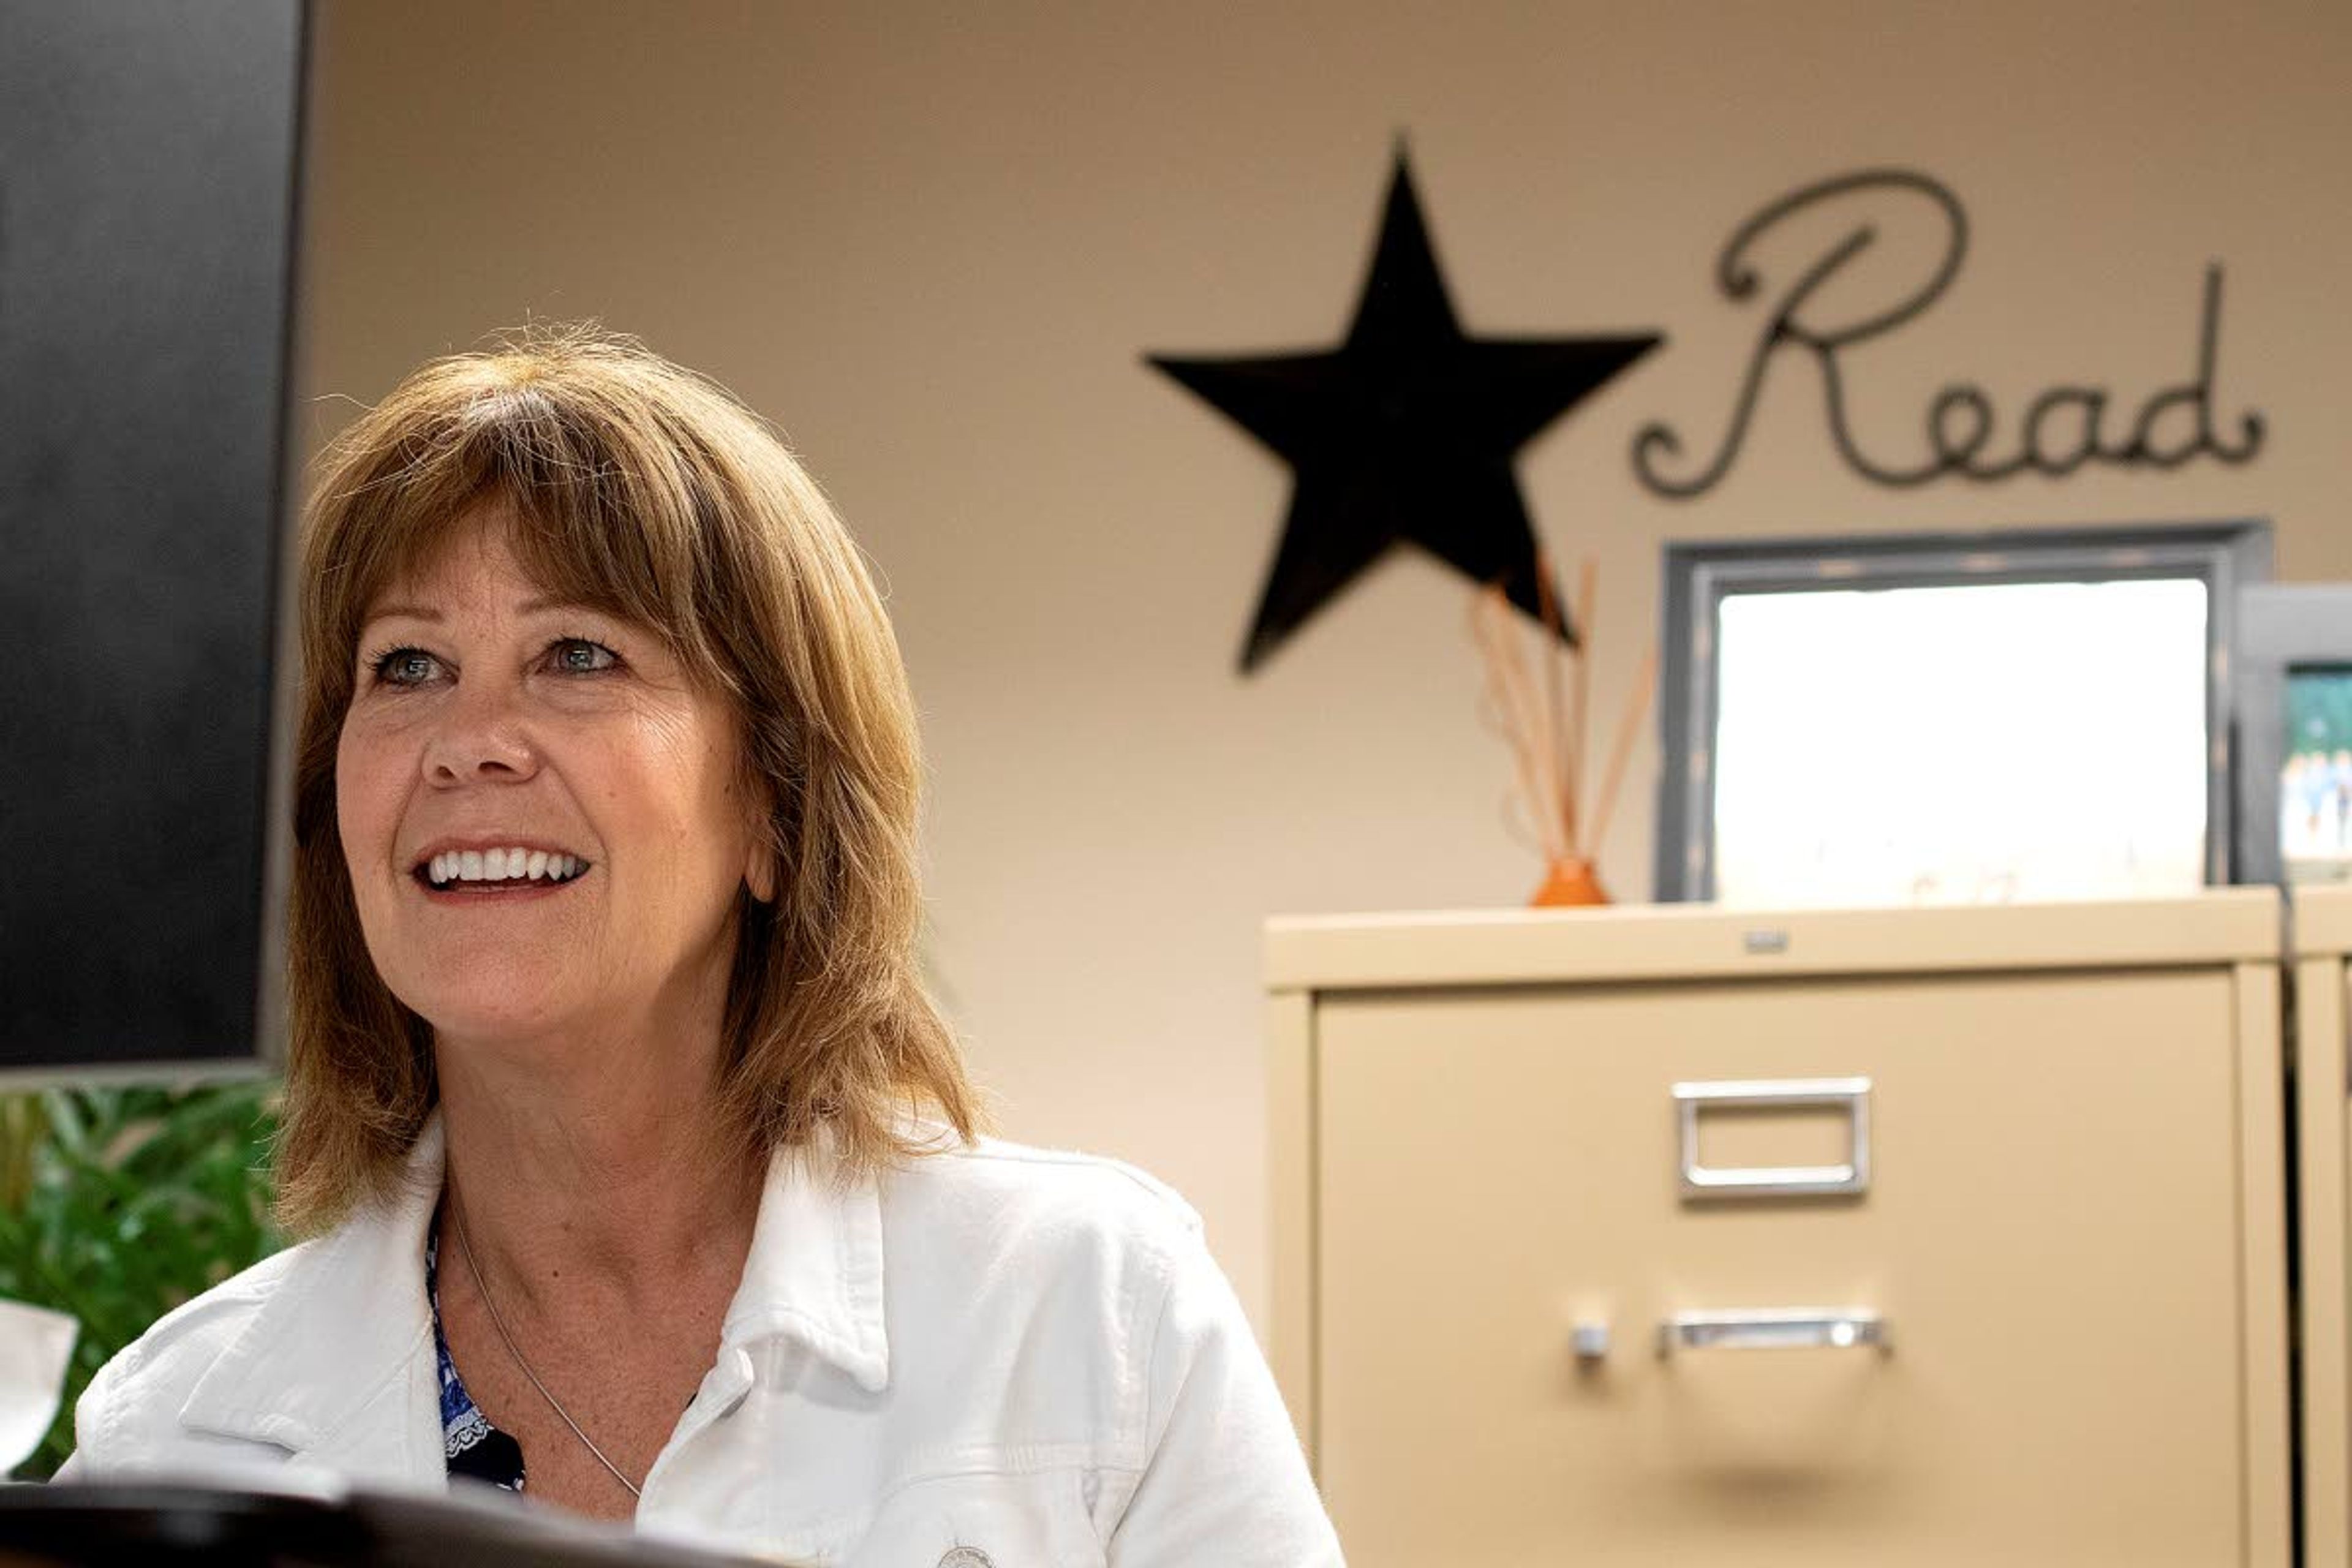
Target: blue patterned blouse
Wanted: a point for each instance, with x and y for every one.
(474, 1446)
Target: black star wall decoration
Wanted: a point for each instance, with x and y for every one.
(1405, 431)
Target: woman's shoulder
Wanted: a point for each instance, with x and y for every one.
(199, 1327)
(1019, 1180)
(992, 1203)
(262, 1356)
(157, 1371)
(996, 1168)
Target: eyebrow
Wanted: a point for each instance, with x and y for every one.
(431, 617)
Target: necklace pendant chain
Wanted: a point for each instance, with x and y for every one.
(457, 1219)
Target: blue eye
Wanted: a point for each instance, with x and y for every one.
(578, 656)
(406, 667)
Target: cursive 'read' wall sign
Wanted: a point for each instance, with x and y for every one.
(2063, 428)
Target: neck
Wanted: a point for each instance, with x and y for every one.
(590, 1170)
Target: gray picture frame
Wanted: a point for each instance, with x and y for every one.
(2226, 556)
(2281, 628)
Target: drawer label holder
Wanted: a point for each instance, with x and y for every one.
(1713, 1182)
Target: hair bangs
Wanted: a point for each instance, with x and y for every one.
(593, 518)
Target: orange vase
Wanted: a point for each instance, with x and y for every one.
(1567, 883)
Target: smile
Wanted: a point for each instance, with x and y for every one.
(489, 870)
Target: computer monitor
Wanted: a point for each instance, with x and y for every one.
(149, 162)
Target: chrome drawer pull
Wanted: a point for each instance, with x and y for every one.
(1850, 1095)
(1775, 1327)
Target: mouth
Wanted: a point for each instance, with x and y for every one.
(482, 873)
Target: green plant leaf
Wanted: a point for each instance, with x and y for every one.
(119, 1204)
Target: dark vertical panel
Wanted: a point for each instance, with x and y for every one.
(147, 163)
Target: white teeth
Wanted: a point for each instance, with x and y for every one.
(513, 865)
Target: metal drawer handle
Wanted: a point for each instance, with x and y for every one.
(1775, 1327)
(1850, 1095)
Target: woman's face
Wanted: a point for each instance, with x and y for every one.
(486, 720)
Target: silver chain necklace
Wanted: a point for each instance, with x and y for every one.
(458, 1220)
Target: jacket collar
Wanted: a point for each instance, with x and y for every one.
(814, 1270)
(347, 1315)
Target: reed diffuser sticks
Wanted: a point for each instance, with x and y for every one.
(1542, 713)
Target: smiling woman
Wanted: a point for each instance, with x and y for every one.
(603, 966)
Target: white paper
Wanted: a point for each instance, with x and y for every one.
(35, 1344)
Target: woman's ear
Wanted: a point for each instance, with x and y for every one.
(760, 870)
(760, 858)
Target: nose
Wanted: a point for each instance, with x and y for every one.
(481, 738)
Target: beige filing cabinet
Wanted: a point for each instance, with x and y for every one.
(1683, 1237)
(2323, 948)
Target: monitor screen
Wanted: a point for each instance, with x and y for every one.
(147, 181)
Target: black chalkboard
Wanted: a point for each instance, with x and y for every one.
(148, 164)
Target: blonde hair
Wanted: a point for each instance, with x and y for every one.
(639, 488)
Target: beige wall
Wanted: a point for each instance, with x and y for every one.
(932, 241)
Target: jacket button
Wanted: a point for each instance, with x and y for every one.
(965, 1557)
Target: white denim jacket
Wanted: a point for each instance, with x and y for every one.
(1027, 1355)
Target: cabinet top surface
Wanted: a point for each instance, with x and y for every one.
(1460, 947)
(2323, 920)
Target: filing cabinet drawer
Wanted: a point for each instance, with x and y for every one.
(2051, 1239)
